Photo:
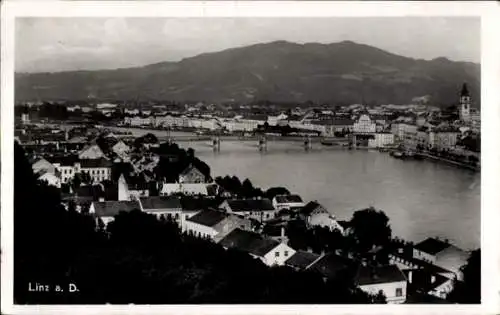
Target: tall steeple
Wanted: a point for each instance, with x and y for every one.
(465, 90)
(465, 103)
(123, 193)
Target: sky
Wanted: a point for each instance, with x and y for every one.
(62, 44)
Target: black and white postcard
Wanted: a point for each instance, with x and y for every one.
(169, 156)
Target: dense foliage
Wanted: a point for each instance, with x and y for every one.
(468, 291)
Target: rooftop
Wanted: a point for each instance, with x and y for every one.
(288, 199)
(382, 274)
(160, 203)
(432, 246)
(302, 259)
(112, 208)
(240, 205)
(208, 217)
(249, 242)
(95, 163)
(331, 265)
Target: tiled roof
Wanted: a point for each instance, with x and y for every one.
(331, 265)
(95, 163)
(208, 217)
(160, 203)
(240, 205)
(302, 259)
(342, 122)
(381, 274)
(288, 199)
(189, 203)
(432, 246)
(112, 208)
(249, 242)
(63, 160)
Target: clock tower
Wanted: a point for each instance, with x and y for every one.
(465, 102)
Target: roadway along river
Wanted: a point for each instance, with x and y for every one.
(421, 198)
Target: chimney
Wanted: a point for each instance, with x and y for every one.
(282, 232)
(410, 276)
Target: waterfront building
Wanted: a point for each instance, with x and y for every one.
(315, 214)
(442, 254)
(364, 125)
(444, 139)
(382, 139)
(388, 279)
(269, 251)
(465, 104)
(340, 125)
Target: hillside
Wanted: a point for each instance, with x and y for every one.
(344, 72)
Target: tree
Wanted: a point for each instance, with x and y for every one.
(370, 228)
(468, 291)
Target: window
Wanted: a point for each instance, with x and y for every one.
(277, 254)
(286, 253)
(399, 292)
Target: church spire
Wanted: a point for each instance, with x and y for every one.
(465, 90)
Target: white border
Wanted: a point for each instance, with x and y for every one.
(490, 218)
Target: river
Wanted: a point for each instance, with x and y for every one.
(421, 198)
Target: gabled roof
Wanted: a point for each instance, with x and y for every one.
(302, 259)
(331, 265)
(208, 217)
(381, 274)
(241, 205)
(112, 208)
(188, 169)
(190, 203)
(160, 203)
(432, 246)
(249, 242)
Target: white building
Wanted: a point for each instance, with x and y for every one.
(364, 125)
(388, 279)
(258, 209)
(288, 202)
(382, 139)
(106, 210)
(50, 178)
(269, 251)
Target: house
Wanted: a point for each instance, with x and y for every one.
(162, 205)
(106, 210)
(302, 260)
(192, 175)
(214, 224)
(315, 214)
(442, 254)
(91, 152)
(427, 282)
(269, 251)
(121, 149)
(98, 169)
(388, 279)
(42, 165)
(258, 209)
(287, 202)
(50, 178)
(331, 266)
(191, 205)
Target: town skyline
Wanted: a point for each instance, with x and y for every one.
(63, 44)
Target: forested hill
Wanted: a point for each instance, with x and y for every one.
(344, 72)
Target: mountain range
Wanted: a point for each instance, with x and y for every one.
(280, 71)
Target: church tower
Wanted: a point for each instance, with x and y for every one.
(465, 102)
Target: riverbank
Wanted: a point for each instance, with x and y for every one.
(448, 161)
